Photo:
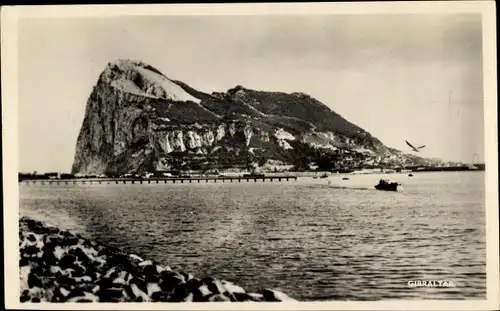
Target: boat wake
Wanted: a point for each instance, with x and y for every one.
(354, 188)
(341, 187)
(367, 188)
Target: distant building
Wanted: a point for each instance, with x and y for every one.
(52, 175)
(66, 176)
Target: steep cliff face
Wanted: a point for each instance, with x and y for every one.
(139, 120)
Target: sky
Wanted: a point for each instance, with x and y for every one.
(400, 77)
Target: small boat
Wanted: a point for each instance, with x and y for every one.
(387, 185)
(345, 178)
(324, 176)
(411, 175)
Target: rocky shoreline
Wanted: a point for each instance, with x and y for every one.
(58, 266)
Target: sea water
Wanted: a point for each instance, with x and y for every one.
(314, 239)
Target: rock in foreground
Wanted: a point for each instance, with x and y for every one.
(58, 266)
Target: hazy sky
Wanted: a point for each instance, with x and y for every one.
(389, 74)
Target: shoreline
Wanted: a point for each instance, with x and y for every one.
(283, 175)
(59, 266)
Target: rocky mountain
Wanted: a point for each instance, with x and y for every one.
(138, 120)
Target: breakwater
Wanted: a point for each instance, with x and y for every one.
(160, 180)
(450, 168)
(58, 266)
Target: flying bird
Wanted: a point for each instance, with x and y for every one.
(414, 149)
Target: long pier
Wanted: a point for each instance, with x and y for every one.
(179, 180)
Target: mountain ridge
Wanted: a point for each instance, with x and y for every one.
(137, 119)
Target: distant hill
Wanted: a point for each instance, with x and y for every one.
(138, 120)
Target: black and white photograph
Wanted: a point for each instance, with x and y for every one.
(287, 153)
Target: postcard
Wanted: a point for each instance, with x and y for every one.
(277, 156)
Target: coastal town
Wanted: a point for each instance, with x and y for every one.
(446, 167)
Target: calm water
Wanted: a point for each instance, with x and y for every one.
(311, 239)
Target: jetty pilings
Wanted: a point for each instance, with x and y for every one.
(173, 180)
